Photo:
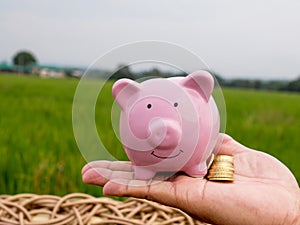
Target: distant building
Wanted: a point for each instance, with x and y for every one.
(51, 73)
(45, 71)
(59, 72)
(76, 73)
(6, 67)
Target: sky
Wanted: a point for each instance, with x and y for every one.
(237, 39)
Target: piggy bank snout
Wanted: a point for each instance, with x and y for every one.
(164, 134)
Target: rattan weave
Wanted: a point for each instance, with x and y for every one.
(77, 208)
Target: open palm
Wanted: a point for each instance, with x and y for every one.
(264, 191)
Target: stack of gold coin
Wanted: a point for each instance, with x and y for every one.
(222, 168)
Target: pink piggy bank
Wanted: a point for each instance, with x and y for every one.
(168, 124)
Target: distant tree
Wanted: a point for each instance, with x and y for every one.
(123, 72)
(293, 85)
(275, 85)
(154, 72)
(24, 60)
(257, 84)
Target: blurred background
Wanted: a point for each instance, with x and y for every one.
(252, 47)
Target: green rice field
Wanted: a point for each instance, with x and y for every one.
(39, 154)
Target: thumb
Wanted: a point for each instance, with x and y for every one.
(228, 146)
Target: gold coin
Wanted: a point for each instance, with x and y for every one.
(221, 173)
(223, 158)
(223, 161)
(227, 172)
(222, 164)
(214, 176)
(221, 179)
(221, 168)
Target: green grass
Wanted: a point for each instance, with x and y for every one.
(267, 121)
(37, 146)
(38, 152)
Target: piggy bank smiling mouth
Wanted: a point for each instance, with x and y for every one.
(167, 157)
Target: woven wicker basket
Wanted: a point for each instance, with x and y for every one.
(77, 208)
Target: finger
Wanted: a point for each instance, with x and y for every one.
(152, 190)
(157, 190)
(124, 187)
(178, 193)
(112, 165)
(100, 176)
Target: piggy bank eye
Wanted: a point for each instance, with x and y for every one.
(175, 104)
(149, 106)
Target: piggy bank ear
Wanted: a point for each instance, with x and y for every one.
(123, 89)
(200, 81)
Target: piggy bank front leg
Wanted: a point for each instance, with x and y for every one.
(198, 170)
(143, 173)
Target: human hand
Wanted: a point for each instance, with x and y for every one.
(264, 191)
